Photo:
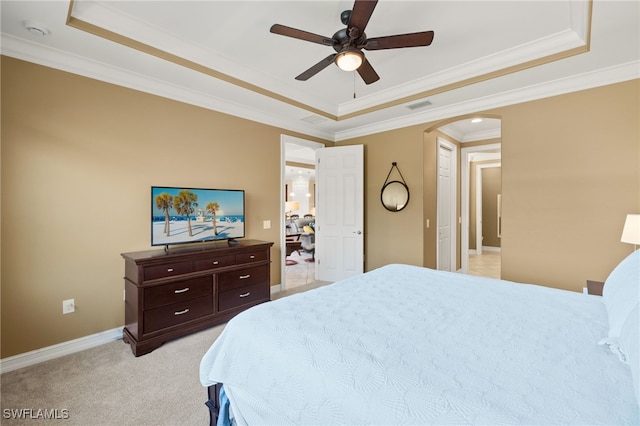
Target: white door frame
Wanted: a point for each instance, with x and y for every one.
(479, 218)
(467, 155)
(284, 139)
(454, 202)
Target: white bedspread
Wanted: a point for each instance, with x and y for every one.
(409, 345)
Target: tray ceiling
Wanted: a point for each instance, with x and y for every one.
(220, 55)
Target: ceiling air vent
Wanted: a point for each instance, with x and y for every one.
(313, 119)
(419, 105)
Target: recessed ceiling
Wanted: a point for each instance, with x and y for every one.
(293, 172)
(469, 130)
(220, 55)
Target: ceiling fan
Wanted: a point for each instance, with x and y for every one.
(349, 42)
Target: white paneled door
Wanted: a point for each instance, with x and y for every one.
(339, 212)
(446, 247)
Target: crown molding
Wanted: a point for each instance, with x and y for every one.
(563, 43)
(474, 136)
(53, 58)
(99, 19)
(43, 55)
(611, 75)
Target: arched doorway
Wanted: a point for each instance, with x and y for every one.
(478, 137)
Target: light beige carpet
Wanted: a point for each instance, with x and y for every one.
(107, 385)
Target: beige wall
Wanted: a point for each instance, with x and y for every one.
(392, 237)
(491, 186)
(79, 156)
(78, 159)
(570, 174)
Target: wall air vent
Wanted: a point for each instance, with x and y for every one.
(314, 119)
(419, 105)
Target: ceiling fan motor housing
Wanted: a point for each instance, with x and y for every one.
(345, 16)
(343, 41)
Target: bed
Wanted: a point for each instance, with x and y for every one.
(408, 345)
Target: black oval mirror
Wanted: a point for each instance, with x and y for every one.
(394, 196)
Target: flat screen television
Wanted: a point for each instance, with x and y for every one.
(193, 215)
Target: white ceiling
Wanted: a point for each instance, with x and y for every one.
(220, 55)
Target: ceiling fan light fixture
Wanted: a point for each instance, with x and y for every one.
(349, 60)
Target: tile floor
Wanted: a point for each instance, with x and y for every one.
(486, 264)
(302, 272)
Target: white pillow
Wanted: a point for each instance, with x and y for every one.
(629, 342)
(621, 292)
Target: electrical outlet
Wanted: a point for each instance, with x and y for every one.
(68, 306)
(266, 224)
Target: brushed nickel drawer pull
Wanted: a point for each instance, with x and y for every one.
(252, 257)
(170, 270)
(243, 277)
(181, 312)
(183, 290)
(215, 262)
(245, 294)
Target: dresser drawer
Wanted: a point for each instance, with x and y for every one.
(213, 262)
(252, 256)
(177, 313)
(241, 296)
(177, 292)
(167, 270)
(242, 277)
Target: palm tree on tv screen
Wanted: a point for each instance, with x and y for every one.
(212, 208)
(185, 204)
(163, 202)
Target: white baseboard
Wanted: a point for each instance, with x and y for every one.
(485, 248)
(65, 348)
(276, 289)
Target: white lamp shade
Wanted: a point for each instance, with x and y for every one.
(292, 206)
(631, 230)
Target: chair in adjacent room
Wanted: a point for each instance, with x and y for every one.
(308, 242)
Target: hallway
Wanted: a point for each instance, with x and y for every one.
(486, 264)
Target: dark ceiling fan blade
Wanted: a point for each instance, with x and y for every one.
(301, 35)
(401, 40)
(316, 68)
(368, 74)
(360, 15)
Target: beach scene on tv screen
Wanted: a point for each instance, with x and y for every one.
(183, 215)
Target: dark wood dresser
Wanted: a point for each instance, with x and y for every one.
(175, 293)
